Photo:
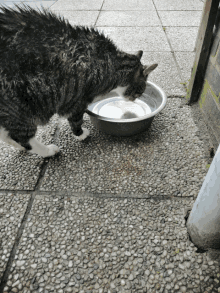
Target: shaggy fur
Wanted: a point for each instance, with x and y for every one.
(47, 67)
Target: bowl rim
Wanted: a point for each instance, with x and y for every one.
(164, 100)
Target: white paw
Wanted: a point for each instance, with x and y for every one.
(83, 135)
(51, 150)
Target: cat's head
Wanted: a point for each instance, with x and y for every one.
(133, 76)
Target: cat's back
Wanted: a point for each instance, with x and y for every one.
(25, 18)
(30, 29)
(27, 32)
(34, 41)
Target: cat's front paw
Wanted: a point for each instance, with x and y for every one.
(83, 135)
(51, 150)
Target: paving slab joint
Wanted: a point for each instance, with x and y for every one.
(22, 226)
(171, 49)
(24, 220)
(99, 13)
(16, 243)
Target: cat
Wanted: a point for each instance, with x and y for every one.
(48, 66)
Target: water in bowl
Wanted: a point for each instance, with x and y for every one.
(120, 108)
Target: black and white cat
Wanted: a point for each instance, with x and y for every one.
(47, 67)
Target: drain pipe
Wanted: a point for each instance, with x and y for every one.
(203, 223)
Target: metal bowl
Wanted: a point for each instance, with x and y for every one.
(115, 115)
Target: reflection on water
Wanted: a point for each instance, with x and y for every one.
(119, 108)
(129, 115)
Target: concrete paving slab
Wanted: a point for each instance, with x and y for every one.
(166, 160)
(4, 2)
(180, 18)
(80, 244)
(20, 170)
(138, 38)
(39, 1)
(128, 5)
(185, 61)
(182, 38)
(78, 5)
(87, 18)
(166, 74)
(12, 209)
(39, 4)
(128, 18)
(10, 4)
(178, 5)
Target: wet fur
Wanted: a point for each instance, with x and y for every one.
(47, 67)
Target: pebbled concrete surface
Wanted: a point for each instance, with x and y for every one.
(12, 209)
(165, 160)
(107, 214)
(74, 244)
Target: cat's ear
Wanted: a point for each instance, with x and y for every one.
(139, 54)
(149, 69)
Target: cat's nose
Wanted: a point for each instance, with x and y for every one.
(132, 98)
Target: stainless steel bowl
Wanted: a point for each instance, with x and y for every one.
(115, 115)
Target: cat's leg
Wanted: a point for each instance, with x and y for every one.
(24, 138)
(41, 149)
(75, 122)
(6, 138)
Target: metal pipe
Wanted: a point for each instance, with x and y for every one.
(203, 224)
